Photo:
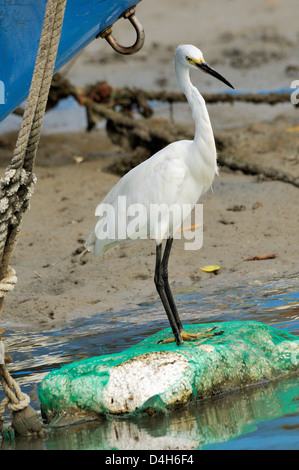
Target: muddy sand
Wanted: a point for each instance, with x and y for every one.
(245, 215)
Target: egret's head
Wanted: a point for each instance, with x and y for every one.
(191, 57)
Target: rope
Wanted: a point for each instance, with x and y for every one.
(267, 98)
(16, 187)
(17, 400)
(7, 284)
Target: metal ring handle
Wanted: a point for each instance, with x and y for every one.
(107, 34)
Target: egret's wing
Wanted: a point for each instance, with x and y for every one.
(155, 181)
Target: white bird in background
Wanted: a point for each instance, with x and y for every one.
(178, 174)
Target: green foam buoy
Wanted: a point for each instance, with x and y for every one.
(153, 377)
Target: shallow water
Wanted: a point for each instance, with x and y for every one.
(259, 417)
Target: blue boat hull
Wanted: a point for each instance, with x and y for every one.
(20, 29)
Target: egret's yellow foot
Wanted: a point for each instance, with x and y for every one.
(193, 336)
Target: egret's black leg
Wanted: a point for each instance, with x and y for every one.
(168, 292)
(162, 269)
(160, 286)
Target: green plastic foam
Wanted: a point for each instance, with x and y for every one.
(151, 377)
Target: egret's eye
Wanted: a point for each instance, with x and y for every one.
(189, 59)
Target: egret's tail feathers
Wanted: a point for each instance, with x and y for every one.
(99, 247)
(94, 245)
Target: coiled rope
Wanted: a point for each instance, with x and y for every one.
(16, 188)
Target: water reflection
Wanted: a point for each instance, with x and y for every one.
(197, 426)
(228, 420)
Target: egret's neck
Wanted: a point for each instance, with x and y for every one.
(203, 128)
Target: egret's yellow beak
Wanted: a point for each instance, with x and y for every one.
(202, 65)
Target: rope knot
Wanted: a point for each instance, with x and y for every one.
(25, 419)
(7, 284)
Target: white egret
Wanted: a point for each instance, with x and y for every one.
(178, 174)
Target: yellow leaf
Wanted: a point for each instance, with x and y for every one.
(292, 129)
(78, 159)
(210, 269)
(191, 227)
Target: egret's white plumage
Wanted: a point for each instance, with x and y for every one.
(178, 174)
